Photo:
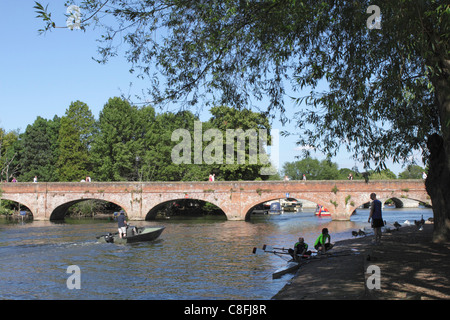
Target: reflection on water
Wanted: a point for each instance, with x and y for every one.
(193, 259)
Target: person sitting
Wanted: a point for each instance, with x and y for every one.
(300, 249)
(322, 243)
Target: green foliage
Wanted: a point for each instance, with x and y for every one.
(39, 150)
(382, 175)
(411, 172)
(127, 143)
(158, 157)
(327, 170)
(74, 140)
(313, 170)
(115, 148)
(347, 199)
(335, 189)
(9, 166)
(225, 118)
(387, 89)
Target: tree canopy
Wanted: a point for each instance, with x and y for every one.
(74, 140)
(126, 143)
(387, 90)
(314, 169)
(385, 86)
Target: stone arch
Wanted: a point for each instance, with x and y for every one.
(59, 212)
(396, 197)
(270, 197)
(397, 202)
(30, 206)
(152, 212)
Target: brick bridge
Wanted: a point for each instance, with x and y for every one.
(50, 200)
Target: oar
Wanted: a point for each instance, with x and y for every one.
(270, 248)
(261, 251)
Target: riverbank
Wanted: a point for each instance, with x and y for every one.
(411, 267)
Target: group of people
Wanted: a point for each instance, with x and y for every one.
(322, 244)
(15, 180)
(35, 179)
(323, 241)
(286, 178)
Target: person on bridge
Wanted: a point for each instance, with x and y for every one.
(322, 243)
(376, 216)
(122, 224)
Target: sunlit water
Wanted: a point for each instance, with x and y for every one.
(193, 259)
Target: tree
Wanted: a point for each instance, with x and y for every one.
(8, 155)
(39, 150)
(158, 160)
(313, 169)
(387, 90)
(385, 174)
(345, 172)
(239, 130)
(74, 142)
(412, 172)
(114, 147)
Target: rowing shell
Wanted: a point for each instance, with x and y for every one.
(292, 266)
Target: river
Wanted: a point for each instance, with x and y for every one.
(193, 259)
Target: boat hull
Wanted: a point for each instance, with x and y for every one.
(143, 235)
(291, 267)
(323, 214)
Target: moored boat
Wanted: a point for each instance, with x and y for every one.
(321, 211)
(275, 208)
(134, 234)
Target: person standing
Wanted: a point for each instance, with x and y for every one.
(376, 216)
(122, 224)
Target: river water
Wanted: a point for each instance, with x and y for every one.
(193, 259)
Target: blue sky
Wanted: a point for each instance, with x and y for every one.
(42, 74)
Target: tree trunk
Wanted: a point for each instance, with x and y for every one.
(438, 187)
(438, 180)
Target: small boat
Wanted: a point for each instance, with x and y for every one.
(291, 205)
(321, 211)
(134, 234)
(275, 208)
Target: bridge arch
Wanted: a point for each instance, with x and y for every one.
(21, 202)
(59, 212)
(397, 202)
(397, 197)
(191, 203)
(271, 197)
